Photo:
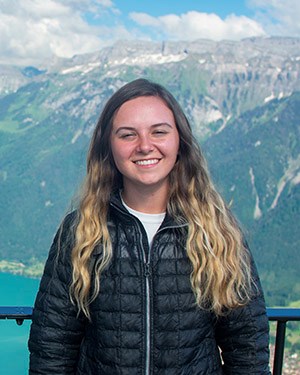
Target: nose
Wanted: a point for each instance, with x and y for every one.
(145, 145)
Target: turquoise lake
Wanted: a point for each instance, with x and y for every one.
(15, 291)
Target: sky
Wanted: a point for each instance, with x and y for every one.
(34, 31)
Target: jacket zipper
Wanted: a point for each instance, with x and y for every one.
(147, 274)
(148, 327)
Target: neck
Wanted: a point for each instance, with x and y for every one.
(149, 201)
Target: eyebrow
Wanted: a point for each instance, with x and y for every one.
(152, 126)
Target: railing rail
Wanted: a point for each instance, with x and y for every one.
(280, 315)
(17, 313)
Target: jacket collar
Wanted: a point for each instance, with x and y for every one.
(118, 210)
(117, 205)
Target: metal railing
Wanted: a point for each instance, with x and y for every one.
(280, 315)
(17, 313)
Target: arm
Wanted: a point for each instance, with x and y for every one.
(56, 330)
(243, 336)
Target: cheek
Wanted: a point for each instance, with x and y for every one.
(114, 152)
(116, 156)
(174, 148)
(170, 146)
(119, 153)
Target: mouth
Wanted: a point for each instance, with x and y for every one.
(147, 162)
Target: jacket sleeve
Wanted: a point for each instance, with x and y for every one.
(243, 336)
(56, 330)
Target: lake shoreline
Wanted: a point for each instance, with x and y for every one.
(33, 271)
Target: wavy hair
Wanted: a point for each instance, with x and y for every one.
(221, 271)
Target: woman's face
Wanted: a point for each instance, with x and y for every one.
(144, 143)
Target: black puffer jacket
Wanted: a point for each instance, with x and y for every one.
(144, 320)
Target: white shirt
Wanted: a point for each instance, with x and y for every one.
(151, 222)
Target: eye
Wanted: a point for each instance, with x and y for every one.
(127, 135)
(159, 132)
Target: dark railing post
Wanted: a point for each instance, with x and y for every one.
(279, 348)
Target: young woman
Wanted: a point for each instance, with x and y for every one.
(151, 274)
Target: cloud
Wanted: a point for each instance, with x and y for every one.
(279, 17)
(34, 30)
(193, 25)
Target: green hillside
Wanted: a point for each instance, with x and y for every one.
(255, 161)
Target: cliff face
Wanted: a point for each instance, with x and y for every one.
(241, 98)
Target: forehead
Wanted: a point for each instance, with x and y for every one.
(144, 109)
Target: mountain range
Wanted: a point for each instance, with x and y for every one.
(243, 101)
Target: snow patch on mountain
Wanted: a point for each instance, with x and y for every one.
(83, 69)
(128, 57)
(149, 59)
(76, 136)
(291, 174)
(296, 179)
(257, 143)
(257, 211)
(269, 98)
(223, 126)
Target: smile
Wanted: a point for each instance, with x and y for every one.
(147, 162)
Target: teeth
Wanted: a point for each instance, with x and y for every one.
(147, 162)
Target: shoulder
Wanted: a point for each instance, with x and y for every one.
(63, 240)
(70, 221)
(67, 228)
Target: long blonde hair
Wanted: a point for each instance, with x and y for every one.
(221, 272)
